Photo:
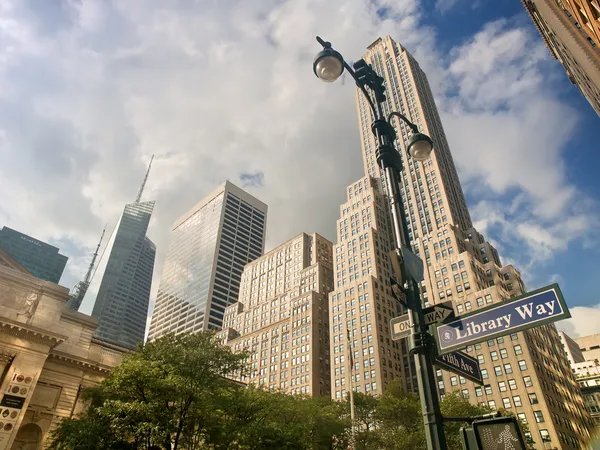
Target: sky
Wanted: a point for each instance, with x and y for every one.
(224, 89)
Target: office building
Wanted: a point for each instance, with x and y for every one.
(282, 317)
(571, 31)
(522, 372)
(122, 282)
(590, 347)
(208, 248)
(39, 258)
(574, 353)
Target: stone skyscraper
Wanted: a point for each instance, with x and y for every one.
(123, 280)
(571, 31)
(523, 372)
(281, 317)
(208, 249)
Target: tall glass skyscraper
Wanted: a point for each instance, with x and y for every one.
(41, 259)
(209, 247)
(527, 372)
(124, 279)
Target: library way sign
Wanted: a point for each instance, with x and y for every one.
(535, 308)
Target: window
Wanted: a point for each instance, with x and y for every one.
(503, 353)
(514, 337)
(539, 416)
(533, 398)
(488, 389)
(545, 435)
(527, 381)
(454, 381)
(518, 350)
(481, 359)
(517, 401)
(502, 386)
(494, 356)
(484, 374)
(498, 370)
(478, 391)
(506, 402)
(522, 365)
(465, 394)
(522, 417)
(491, 343)
(492, 404)
(508, 368)
(512, 384)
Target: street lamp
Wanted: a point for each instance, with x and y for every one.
(329, 66)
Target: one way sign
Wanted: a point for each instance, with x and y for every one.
(438, 313)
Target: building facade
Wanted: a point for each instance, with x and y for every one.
(48, 355)
(522, 372)
(208, 249)
(590, 347)
(121, 286)
(282, 317)
(570, 29)
(39, 258)
(574, 353)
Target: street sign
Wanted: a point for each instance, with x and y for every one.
(398, 292)
(442, 312)
(413, 264)
(462, 364)
(401, 327)
(539, 307)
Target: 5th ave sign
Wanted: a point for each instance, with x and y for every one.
(535, 308)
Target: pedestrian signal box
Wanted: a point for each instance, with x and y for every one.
(502, 433)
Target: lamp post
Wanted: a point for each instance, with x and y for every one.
(329, 66)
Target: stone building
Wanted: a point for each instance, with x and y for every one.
(47, 357)
(282, 317)
(523, 372)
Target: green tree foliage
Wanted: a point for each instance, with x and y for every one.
(174, 394)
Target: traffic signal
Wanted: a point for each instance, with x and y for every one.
(367, 77)
(502, 433)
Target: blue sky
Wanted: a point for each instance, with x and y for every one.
(224, 90)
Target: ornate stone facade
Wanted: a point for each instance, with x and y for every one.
(47, 356)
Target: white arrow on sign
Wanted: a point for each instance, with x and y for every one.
(438, 313)
(401, 327)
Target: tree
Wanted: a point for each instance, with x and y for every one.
(455, 405)
(163, 394)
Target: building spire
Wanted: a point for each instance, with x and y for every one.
(81, 288)
(88, 275)
(139, 196)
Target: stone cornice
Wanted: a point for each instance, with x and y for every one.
(79, 362)
(35, 284)
(31, 333)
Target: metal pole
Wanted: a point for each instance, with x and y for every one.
(351, 374)
(421, 340)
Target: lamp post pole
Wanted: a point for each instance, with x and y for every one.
(329, 65)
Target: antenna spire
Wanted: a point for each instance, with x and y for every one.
(81, 288)
(139, 196)
(88, 275)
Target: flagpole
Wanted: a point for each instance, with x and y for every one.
(351, 373)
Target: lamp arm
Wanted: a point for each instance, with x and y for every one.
(412, 126)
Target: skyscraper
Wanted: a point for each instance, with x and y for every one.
(123, 279)
(571, 31)
(208, 249)
(281, 317)
(41, 259)
(523, 372)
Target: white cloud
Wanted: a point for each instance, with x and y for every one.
(585, 320)
(218, 90)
